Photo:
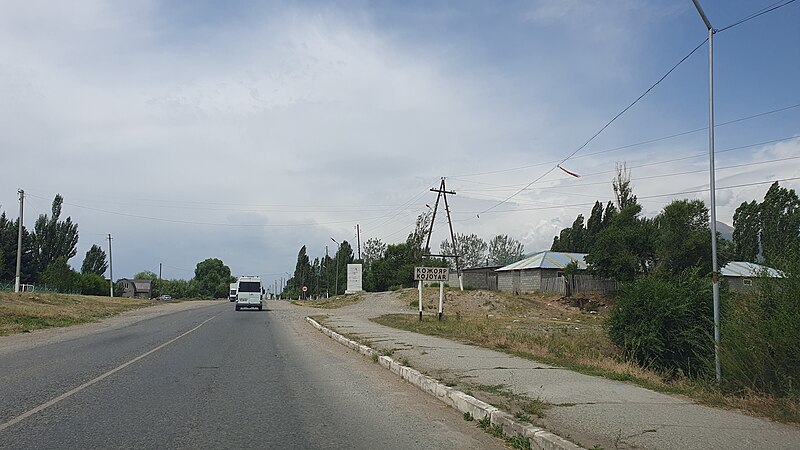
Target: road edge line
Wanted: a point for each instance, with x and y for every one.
(540, 438)
(95, 380)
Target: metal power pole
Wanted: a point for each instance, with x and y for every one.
(19, 241)
(110, 268)
(712, 188)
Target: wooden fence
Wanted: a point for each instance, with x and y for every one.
(578, 284)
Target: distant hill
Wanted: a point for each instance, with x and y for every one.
(725, 230)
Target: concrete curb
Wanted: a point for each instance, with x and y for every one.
(540, 438)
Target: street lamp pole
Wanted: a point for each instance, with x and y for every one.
(712, 188)
(338, 247)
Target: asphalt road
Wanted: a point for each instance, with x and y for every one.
(214, 378)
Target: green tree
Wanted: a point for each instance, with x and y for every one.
(8, 251)
(54, 238)
(780, 225)
(623, 191)
(595, 224)
(373, 250)
(683, 237)
(624, 249)
(302, 274)
(146, 275)
(61, 277)
(416, 239)
(746, 231)
(470, 248)
(343, 257)
(93, 284)
(665, 323)
(213, 278)
(94, 261)
(504, 250)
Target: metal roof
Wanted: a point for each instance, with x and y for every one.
(748, 270)
(547, 260)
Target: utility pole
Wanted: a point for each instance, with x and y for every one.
(442, 193)
(712, 188)
(358, 239)
(19, 241)
(338, 247)
(327, 281)
(110, 268)
(159, 270)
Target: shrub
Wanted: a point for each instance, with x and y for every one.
(666, 322)
(760, 337)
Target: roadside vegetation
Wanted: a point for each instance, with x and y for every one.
(29, 311)
(574, 334)
(331, 302)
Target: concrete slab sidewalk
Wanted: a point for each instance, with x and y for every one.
(590, 411)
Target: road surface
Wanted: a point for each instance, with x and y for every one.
(211, 377)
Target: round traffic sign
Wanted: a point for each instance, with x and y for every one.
(305, 288)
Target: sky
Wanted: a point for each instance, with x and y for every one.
(242, 130)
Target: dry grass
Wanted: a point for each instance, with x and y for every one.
(547, 329)
(337, 301)
(25, 312)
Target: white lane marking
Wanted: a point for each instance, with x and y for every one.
(71, 392)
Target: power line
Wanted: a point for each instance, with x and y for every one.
(623, 147)
(735, 186)
(581, 184)
(761, 12)
(624, 110)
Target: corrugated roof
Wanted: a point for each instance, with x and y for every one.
(548, 260)
(748, 270)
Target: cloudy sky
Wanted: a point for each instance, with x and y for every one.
(242, 130)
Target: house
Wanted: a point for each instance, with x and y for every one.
(544, 272)
(136, 288)
(476, 278)
(740, 275)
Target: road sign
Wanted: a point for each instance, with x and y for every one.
(431, 273)
(305, 288)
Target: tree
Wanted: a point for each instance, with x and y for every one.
(780, 225)
(302, 273)
(471, 250)
(683, 237)
(8, 251)
(416, 239)
(146, 275)
(595, 223)
(93, 284)
(504, 250)
(746, 231)
(53, 238)
(624, 249)
(343, 257)
(622, 187)
(213, 278)
(61, 277)
(94, 261)
(373, 251)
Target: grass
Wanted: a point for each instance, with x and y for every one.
(583, 347)
(334, 302)
(25, 312)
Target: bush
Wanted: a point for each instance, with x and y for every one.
(760, 337)
(94, 284)
(666, 322)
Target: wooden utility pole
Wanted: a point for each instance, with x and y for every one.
(442, 193)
